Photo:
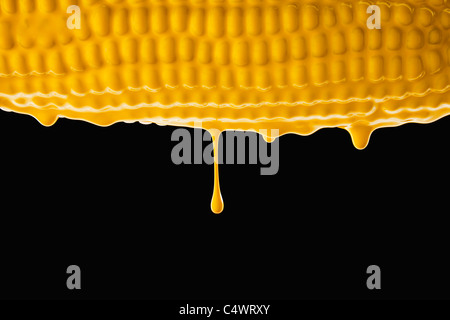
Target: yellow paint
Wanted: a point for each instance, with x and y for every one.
(216, 201)
(295, 66)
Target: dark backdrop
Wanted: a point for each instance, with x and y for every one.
(111, 201)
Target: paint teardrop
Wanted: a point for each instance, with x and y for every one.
(217, 201)
(360, 134)
(217, 204)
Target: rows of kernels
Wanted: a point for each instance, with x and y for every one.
(356, 35)
(195, 46)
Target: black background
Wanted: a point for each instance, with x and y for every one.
(111, 201)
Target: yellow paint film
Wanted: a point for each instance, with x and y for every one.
(293, 66)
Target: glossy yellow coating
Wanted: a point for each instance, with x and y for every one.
(295, 66)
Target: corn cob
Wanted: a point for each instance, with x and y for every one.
(295, 66)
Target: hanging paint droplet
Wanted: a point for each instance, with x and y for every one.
(360, 133)
(217, 201)
(268, 138)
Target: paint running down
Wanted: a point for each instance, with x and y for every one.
(295, 66)
(217, 201)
